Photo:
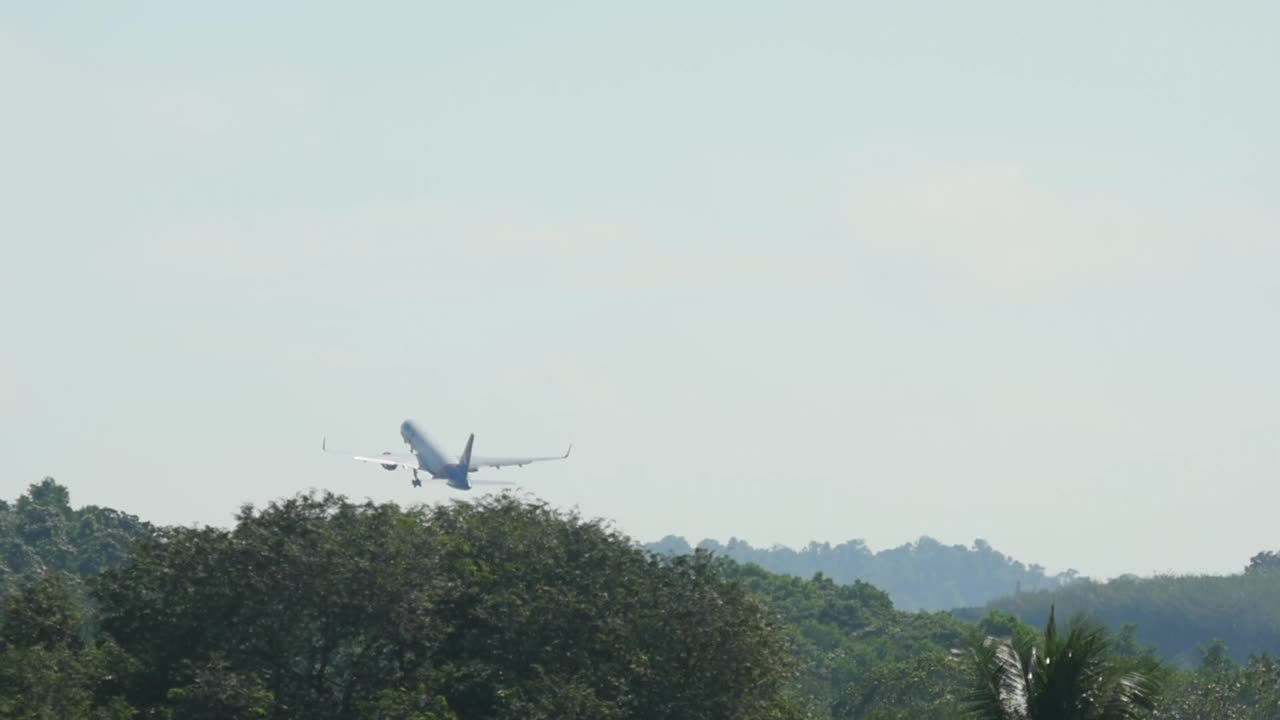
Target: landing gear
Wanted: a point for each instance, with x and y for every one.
(416, 481)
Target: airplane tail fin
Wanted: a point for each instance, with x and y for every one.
(464, 462)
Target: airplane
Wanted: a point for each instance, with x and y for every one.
(425, 457)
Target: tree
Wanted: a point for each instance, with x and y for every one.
(1069, 677)
(326, 602)
(41, 533)
(43, 614)
(218, 693)
(924, 687)
(1177, 614)
(1267, 561)
(498, 608)
(47, 670)
(860, 658)
(1221, 688)
(418, 704)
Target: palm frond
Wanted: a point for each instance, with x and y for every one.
(1072, 676)
(1002, 691)
(1130, 696)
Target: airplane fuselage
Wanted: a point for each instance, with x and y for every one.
(431, 460)
(428, 458)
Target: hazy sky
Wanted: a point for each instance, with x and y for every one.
(784, 271)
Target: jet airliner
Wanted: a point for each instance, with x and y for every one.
(425, 457)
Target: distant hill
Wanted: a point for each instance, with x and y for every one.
(924, 575)
(40, 532)
(1180, 615)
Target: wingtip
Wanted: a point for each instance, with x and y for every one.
(324, 442)
(566, 452)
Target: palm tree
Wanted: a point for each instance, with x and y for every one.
(1065, 678)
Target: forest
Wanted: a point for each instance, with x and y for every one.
(504, 607)
(1176, 614)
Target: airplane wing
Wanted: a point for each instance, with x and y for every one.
(408, 461)
(397, 459)
(483, 462)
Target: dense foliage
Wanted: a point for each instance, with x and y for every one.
(1224, 690)
(924, 575)
(40, 533)
(316, 607)
(861, 657)
(1179, 615)
(48, 667)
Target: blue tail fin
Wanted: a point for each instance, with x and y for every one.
(457, 472)
(464, 462)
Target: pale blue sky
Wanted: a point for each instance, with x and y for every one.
(790, 272)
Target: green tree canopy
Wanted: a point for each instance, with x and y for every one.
(47, 669)
(1177, 614)
(502, 608)
(41, 533)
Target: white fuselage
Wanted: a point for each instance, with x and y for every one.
(431, 459)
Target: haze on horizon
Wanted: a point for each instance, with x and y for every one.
(787, 274)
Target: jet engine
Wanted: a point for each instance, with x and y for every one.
(386, 466)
